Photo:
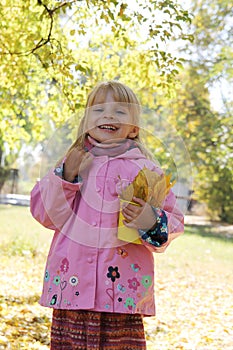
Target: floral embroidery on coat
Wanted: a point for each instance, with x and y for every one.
(61, 281)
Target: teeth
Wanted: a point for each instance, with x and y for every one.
(108, 127)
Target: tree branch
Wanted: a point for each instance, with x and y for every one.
(42, 41)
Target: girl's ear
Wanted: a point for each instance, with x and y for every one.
(134, 132)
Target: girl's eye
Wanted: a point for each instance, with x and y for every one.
(98, 110)
(121, 112)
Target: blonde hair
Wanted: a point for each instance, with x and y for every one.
(121, 93)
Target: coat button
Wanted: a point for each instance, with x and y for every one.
(89, 260)
(98, 189)
(94, 223)
(58, 170)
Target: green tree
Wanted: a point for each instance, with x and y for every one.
(213, 49)
(208, 133)
(52, 52)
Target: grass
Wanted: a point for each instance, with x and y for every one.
(17, 221)
(193, 291)
(201, 248)
(194, 294)
(20, 234)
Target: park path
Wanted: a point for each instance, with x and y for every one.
(215, 227)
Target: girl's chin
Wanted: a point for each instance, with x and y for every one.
(103, 140)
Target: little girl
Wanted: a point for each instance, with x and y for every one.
(99, 286)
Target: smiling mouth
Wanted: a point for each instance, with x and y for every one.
(109, 127)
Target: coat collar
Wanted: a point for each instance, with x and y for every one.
(124, 149)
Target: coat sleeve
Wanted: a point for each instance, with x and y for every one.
(175, 217)
(52, 201)
(175, 223)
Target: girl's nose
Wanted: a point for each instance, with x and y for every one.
(108, 113)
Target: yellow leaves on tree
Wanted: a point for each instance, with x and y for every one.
(149, 186)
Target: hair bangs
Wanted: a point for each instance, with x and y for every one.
(120, 92)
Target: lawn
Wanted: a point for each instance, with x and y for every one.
(194, 288)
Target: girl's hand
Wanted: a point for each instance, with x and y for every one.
(76, 162)
(139, 217)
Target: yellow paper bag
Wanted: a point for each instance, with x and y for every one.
(125, 233)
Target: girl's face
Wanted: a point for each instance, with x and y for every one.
(110, 120)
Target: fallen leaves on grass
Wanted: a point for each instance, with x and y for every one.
(194, 309)
(22, 329)
(194, 304)
(24, 323)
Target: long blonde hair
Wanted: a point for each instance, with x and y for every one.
(121, 93)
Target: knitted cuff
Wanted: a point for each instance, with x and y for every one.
(59, 171)
(159, 234)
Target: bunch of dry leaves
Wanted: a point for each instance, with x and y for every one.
(149, 186)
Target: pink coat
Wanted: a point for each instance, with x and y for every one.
(87, 266)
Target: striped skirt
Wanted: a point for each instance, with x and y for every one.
(88, 330)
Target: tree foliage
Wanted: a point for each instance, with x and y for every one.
(208, 136)
(208, 133)
(212, 49)
(52, 52)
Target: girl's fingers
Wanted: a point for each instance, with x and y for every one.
(139, 201)
(128, 217)
(132, 212)
(76, 162)
(131, 215)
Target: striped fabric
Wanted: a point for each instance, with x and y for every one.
(88, 330)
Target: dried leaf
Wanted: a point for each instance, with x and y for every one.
(140, 186)
(128, 193)
(149, 186)
(159, 192)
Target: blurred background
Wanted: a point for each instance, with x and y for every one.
(177, 56)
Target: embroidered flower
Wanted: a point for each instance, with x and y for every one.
(64, 265)
(129, 303)
(146, 281)
(46, 276)
(133, 283)
(57, 280)
(73, 281)
(113, 273)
